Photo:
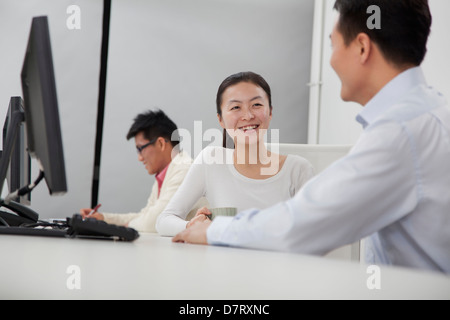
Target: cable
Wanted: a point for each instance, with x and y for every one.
(24, 190)
(4, 222)
(46, 224)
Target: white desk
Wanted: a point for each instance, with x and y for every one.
(153, 267)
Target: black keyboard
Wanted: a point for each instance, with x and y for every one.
(93, 228)
(74, 227)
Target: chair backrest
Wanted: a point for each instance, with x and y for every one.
(320, 156)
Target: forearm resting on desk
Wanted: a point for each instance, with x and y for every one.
(169, 225)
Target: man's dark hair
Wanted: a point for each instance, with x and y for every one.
(153, 124)
(405, 26)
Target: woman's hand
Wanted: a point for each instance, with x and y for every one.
(201, 215)
(196, 233)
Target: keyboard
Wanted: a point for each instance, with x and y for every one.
(74, 227)
(93, 228)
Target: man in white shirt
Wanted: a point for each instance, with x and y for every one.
(394, 185)
(152, 132)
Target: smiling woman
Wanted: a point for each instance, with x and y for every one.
(248, 176)
(230, 95)
(244, 110)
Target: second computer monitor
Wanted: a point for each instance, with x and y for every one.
(19, 168)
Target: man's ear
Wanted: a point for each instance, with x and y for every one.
(364, 45)
(161, 143)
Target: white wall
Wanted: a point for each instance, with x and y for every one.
(336, 118)
(76, 57)
(174, 54)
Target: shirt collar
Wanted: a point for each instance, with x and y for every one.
(160, 176)
(390, 94)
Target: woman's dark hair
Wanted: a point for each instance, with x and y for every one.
(404, 27)
(234, 79)
(153, 124)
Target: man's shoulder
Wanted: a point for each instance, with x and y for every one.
(181, 158)
(419, 101)
(181, 162)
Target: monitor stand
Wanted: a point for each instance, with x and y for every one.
(16, 119)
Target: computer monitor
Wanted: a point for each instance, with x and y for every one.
(14, 122)
(41, 113)
(41, 107)
(18, 174)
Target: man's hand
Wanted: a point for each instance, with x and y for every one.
(195, 233)
(96, 215)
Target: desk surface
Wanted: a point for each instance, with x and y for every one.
(153, 267)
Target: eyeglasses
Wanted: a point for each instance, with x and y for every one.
(139, 149)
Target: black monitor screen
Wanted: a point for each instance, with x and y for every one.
(41, 107)
(18, 174)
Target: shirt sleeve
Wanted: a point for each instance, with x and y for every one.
(173, 219)
(359, 194)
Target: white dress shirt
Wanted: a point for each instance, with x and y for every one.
(394, 186)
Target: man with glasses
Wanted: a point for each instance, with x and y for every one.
(152, 132)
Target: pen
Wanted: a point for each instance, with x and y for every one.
(94, 210)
